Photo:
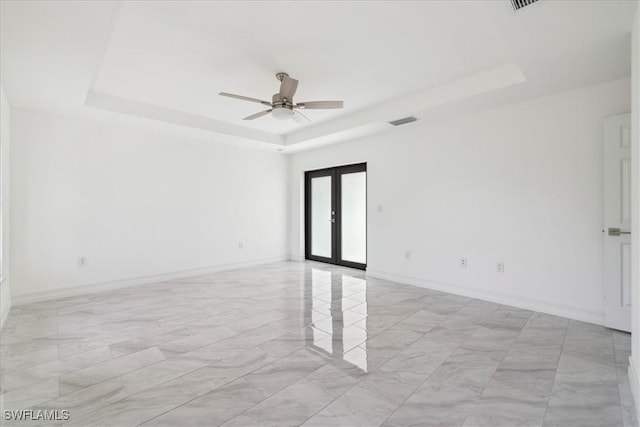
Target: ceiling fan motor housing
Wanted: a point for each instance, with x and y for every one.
(282, 108)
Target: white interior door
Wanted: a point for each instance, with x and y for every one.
(617, 222)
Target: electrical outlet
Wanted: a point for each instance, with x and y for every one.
(463, 263)
(240, 245)
(82, 262)
(500, 267)
(407, 254)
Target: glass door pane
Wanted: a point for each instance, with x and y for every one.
(354, 217)
(321, 216)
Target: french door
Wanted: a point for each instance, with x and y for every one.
(336, 215)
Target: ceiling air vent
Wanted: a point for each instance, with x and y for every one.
(403, 121)
(519, 4)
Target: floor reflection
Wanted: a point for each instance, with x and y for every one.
(336, 304)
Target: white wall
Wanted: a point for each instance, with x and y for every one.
(520, 184)
(635, 229)
(136, 203)
(5, 287)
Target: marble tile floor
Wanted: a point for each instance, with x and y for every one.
(307, 344)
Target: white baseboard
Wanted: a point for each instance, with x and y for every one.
(4, 316)
(134, 281)
(634, 384)
(4, 299)
(576, 313)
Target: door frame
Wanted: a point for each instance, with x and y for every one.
(336, 173)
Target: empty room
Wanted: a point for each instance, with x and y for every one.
(319, 213)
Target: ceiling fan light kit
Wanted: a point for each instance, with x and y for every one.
(282, 113)
(282, 105)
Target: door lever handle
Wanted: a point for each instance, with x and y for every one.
(617, 232)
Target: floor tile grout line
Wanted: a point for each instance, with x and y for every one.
(191, 400)
(329, 403)
(128, 372)
(615, 361)
(220, 386)
(58, 376)
(230, 381)
(429, 376)
(505, 356)
(553, 383)
(507, 352)
(116, 376)
(329, 363)
(457, 348)
(479, 396)
(273, 394)
(147, 389)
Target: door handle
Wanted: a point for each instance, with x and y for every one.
(332, 220)
(617, 232)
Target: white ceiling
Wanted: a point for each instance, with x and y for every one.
(168, 60)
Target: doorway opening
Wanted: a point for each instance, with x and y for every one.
(336, 215)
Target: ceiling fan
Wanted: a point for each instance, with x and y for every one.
(282, 106)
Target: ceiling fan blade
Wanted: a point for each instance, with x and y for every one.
(245, 98)
(319, 105)
(300, 118)
(256, 115)
(288, 88)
